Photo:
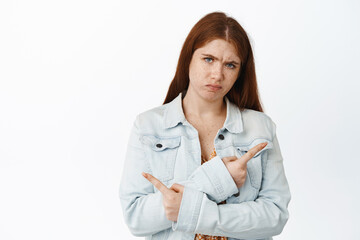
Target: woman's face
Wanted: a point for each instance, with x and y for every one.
(213, 70)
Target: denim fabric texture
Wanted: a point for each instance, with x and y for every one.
(163, 143)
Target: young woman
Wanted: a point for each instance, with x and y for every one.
(207, 163)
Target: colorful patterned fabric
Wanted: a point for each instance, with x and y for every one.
(202, 236)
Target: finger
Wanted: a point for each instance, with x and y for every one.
(177, 187)
(251, 153)
(229, 159)
(156, 182)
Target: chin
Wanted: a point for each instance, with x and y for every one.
(212, 96)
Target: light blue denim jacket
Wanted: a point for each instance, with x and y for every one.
(163, 143)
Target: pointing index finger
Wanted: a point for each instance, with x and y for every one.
(251, 153)
(156, 182)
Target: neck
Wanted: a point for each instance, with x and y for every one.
(198, 107)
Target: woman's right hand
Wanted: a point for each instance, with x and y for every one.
(237, 166)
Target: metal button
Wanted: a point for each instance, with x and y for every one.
(159, 145)
(221, 137)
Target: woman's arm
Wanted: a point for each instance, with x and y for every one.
(212, 178)
(221, 178)
(143, 208)
(264, 217)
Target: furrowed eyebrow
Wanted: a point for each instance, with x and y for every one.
(209, 55)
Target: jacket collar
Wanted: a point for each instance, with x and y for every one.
(174, 114)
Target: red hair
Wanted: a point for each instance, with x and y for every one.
(217, 25)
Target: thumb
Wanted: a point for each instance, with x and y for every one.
(177, 187)
(229, 159)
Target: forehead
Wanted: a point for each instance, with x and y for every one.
(219, 48)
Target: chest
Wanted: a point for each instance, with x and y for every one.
(207, 131)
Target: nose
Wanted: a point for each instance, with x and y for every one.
(217, 71)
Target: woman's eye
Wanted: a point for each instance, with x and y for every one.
(231, 65)
(209, 60)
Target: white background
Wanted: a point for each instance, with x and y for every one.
(74, 74)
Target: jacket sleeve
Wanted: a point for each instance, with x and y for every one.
(212, 178)
(264, 217)
(142, 208)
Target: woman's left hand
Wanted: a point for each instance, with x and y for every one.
(171, 196)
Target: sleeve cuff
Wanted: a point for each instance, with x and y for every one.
(189, 210)
(220, 178)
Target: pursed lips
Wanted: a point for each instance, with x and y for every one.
(213, 86)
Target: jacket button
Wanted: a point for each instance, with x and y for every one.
(159, 145)
(221, 137)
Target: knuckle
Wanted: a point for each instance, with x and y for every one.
(244, 160)
(170, 197)
(239, 167)
(252, 152)
(167, 203)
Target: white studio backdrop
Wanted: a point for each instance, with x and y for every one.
(74, 74)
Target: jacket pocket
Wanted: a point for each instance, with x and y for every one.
(256, 165)
(162, 152)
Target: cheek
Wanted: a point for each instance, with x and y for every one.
(234, 73)
(231, 79)
(197, 72)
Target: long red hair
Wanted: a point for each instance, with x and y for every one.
(217, 25)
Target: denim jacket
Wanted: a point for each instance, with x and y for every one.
(163, 143)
